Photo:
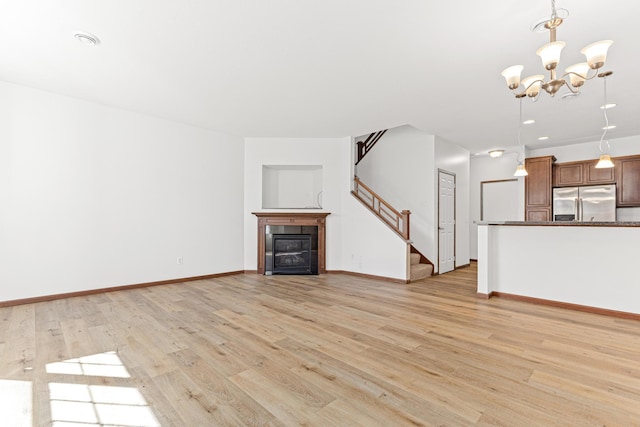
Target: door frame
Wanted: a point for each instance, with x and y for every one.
(455, 214)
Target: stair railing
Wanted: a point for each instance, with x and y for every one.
(365, 146)
(398, 221)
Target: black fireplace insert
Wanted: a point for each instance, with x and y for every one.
(292, 254)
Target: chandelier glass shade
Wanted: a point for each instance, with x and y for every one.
(573, 77)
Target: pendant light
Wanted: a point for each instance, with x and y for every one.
(605, 159)
(520, 169)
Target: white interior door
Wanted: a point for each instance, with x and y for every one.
(446, 221)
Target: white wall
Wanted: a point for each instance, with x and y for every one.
(586, 265)
(485, 168)
(454, 159)
(95, 197)
(357, 241)
(369, 246)
(400, 168)
(326, 152)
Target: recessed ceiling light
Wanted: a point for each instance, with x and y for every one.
(543, 138)
(607, 106)
(528, 122)
(86, 38)
(496, 153)
(609, 127)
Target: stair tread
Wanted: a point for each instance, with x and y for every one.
(420, 271)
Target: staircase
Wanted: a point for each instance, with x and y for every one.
(417, 269)
(419, 266)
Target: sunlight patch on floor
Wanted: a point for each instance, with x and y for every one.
(106, 364)
(83, 405)
(15, 403)
(99, 405)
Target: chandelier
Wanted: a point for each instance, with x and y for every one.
(574, 76)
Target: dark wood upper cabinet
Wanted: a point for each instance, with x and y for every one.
(594, 176)
(628, 180)
(581, 173)
(568, 174)
(537, 188)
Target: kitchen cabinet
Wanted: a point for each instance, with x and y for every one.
(537, 188)
(568, 174)
(627, 171)
(594, 176)
(574, 174)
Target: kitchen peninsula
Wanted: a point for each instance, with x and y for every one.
(583, 265)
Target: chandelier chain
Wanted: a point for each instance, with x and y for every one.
(554, 13)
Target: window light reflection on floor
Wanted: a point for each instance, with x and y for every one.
(78, 405)
(106, 364)
(15, 403)
(94, 405)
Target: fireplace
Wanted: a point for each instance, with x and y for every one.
(293, 254)
(291, 249)
(293, 225)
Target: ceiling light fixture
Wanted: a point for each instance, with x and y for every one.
(543, 138)
(528, 122)
(86, 38)
(607, 106)
(520, 169)
(496, 153)
(605, 159)
(574, 76)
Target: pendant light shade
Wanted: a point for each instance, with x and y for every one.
(596, 53)
(520, 170)
(532, 85)
(512, 76)
(577, 73)
(605, 162)
(550, 54)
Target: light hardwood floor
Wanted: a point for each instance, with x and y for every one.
(317, 351)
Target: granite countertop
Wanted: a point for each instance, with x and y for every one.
(564, 223)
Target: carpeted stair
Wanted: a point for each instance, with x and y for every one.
(418, 270)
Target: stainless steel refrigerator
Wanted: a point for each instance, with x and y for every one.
(593, 203)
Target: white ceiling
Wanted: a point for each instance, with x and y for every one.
(326, 68)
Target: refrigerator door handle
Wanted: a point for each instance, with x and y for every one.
(575, 210)
(581, 209)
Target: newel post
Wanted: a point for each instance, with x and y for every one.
(405, 223)
(360, 145)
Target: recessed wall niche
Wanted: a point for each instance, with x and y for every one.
(292, 186)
